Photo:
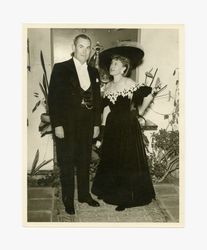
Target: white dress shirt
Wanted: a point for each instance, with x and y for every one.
(82, 71)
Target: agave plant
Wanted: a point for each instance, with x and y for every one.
(45, 125)
(35, 166)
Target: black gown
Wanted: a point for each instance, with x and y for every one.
(123, 177)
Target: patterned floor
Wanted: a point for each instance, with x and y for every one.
(107, 213)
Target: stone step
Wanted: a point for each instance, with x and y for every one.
(39, 216)
(165, 190)
(40, 204)
(40, 192)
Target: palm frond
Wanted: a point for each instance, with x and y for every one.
(43, 91)
(41, 165)
(46, 133)
(43, 64)
(34, 164)
(44, 84)
(36, 106)
(43, 125)
(174, 162)
(172, 165)
(46, 81)
(170, 152)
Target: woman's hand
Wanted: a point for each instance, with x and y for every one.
(154, 92)
(157, 87)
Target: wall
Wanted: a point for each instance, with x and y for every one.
(63, 39)
(39, 39)
(161, 48)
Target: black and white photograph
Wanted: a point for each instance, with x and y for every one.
(103, 110)
(104, 134)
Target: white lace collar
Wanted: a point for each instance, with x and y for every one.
(126, 90)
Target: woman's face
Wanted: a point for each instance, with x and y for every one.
(116, 68)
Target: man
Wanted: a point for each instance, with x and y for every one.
(74, 107)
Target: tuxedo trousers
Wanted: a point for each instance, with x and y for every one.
(74, 154)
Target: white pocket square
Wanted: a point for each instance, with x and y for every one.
(97, 80)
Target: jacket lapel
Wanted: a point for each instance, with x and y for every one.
(91, 76)
(74, 76)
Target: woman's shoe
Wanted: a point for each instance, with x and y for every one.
(120, 208)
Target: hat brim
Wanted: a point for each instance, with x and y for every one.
(134, 54)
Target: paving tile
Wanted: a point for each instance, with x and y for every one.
(40, 204)
(133, 218)
(41, 216)
(170, 201)
(67, 218)
(112, 218)
(165, 190)
(40, 192)
(174, 212)
(92, 219)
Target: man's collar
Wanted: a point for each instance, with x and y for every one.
(78, 64)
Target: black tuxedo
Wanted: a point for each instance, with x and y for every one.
(66, 109)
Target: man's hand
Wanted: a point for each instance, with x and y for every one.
(96, 131)
(98, 144)
(59, 132)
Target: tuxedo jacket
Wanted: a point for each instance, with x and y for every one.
(64, 97)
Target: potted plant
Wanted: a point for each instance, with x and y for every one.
(45, 125)
(35, 176)
(164, 156)
(44, 128)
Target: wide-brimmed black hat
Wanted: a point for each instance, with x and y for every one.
(134, 54)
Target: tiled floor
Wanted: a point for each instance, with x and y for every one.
(168, 197)
(107, 213)
(44, 206)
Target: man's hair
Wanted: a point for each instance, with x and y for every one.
(124, 60)
(75, 41)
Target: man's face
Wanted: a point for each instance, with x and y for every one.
(82, 50)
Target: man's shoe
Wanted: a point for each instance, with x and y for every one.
(120, 208)
(91, 202)
(69, 205)
(70, 210)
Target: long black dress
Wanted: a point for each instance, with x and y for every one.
(123, 177)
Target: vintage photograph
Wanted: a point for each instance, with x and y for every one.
(104, 135)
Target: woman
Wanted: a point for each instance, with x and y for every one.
(123, 177)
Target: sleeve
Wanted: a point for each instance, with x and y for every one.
(55, 97)
(97, 101)
(101, 134)
(104, 103)
(140, 94)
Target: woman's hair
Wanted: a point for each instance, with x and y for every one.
(124, 60)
